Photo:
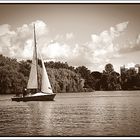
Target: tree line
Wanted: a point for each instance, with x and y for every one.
(14, 76)
(64, 78)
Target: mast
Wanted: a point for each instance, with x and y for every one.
(39, 89)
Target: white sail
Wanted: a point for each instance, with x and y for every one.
(45, 83)
(32, 82)
(33, 78)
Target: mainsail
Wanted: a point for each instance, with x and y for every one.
(33, 79)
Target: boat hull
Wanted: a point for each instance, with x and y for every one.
(48, 97)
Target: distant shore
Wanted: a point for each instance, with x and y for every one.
(66, 79)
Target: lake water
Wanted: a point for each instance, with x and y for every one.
(73, 114)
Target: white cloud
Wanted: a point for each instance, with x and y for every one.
(80, 55)
(120, 27)
(5, 29)
(56, 51)
(64, 37)
(69, 36)
(18, 43)
(131, 46)
(102, 48)
(59, 37)
(93, 54)
(27, 51)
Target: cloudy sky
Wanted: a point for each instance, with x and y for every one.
(80, 34)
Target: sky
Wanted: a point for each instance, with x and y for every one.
(92, 35)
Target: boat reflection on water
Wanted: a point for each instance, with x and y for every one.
(38, 118)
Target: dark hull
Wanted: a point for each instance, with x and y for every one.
(35, 98)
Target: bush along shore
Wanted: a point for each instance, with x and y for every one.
(64, 78)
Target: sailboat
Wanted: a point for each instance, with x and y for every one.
(41, 85)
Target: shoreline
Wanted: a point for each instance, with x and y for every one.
(79, 92)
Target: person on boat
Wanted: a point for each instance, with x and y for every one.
(24, 92)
